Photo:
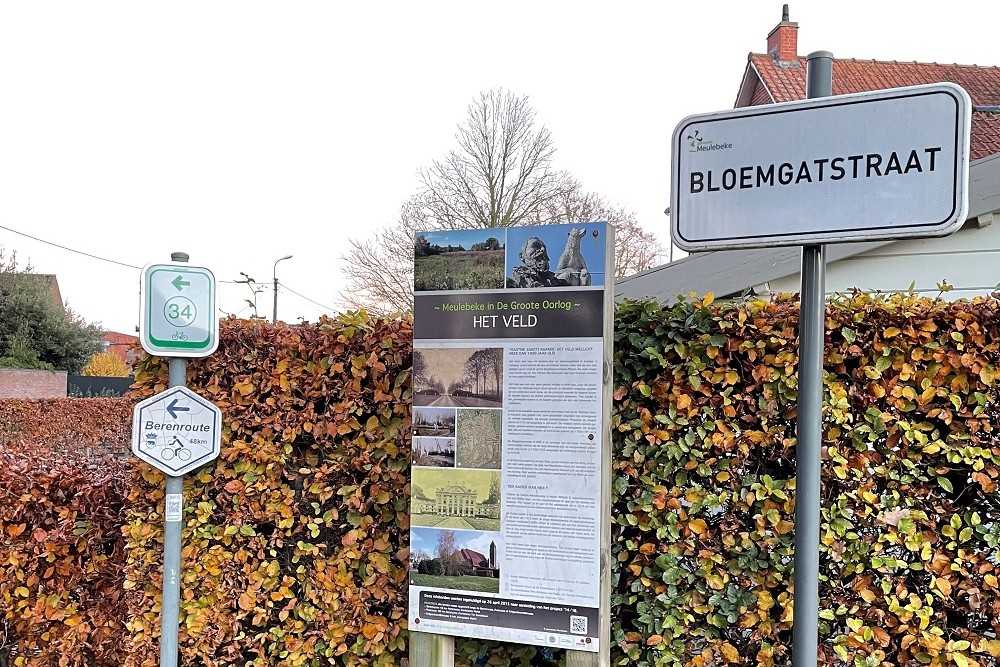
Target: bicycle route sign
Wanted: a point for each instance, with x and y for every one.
(176, 431)
(179, 317)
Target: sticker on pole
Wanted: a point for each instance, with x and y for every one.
(176, 431)
(179, 316)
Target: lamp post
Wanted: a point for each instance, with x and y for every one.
(274, 275)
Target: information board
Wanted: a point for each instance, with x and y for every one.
(509, 513)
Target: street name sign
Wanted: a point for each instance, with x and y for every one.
(179, 317)
(870, 166)
(176, 431)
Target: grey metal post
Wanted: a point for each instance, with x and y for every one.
(170, 606)
(809, 424)
(274, 312)
(431, 650)
(274, 276)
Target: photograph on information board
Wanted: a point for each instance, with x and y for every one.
(464, 259)
(479, 438)
(555, 256)
(462, 499)
(437, 422)
(455, 559)
(433, 452)
(458, 377)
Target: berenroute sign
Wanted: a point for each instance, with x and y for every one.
(176, 431)
(870, 166)
(179, 317)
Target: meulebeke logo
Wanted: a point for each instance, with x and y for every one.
(698, 144)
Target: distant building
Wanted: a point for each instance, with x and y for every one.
(121, 345)
(53, 285)
(455, 501)
(480, 564)
(966, 259)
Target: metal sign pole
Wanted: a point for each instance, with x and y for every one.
(173, 513)
(176, 431)
(809, 423)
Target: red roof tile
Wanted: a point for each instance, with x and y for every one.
(474, 558)
(787, 82)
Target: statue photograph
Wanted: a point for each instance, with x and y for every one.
(532, 266)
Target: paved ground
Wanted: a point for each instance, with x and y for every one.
(454, 401)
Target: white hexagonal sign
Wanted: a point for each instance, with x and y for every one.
(177, 431)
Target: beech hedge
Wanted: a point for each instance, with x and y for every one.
(62, 495)
(296, 539)
(705, 415)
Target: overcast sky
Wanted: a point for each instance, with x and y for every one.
(240, 132)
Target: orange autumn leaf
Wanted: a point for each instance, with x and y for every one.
(698, 526)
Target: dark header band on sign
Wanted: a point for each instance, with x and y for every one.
(521, 314)
(867, 165)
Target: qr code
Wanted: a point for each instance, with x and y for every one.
(578, 625)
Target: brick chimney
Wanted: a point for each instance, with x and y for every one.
(783, 41)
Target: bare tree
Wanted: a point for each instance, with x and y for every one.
(8, 263)
(418, 370)
(379, 269)
(486, 365)
(636, 249)
(446, 544)
(493, 357)
(501, 174)
(475, 366)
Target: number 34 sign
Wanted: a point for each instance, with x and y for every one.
(178, 311)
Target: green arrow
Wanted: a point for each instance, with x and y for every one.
(179, 283)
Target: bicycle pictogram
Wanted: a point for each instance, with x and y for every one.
(176, 448)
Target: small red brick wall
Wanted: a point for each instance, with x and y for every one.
(18, 383)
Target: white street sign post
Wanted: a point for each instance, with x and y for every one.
(179, 317)
(863, 167)
(883, 165)
(176, 431)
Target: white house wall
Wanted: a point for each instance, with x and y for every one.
(969, 260)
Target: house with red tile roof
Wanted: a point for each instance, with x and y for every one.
(121, 345)
(966, 259)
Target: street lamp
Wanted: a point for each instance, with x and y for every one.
(274, 274)
(666, 212)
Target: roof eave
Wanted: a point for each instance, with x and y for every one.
(728, 272)
(751, 77)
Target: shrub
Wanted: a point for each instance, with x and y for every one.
(106, 364)
(296, 539)
(62, 554)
